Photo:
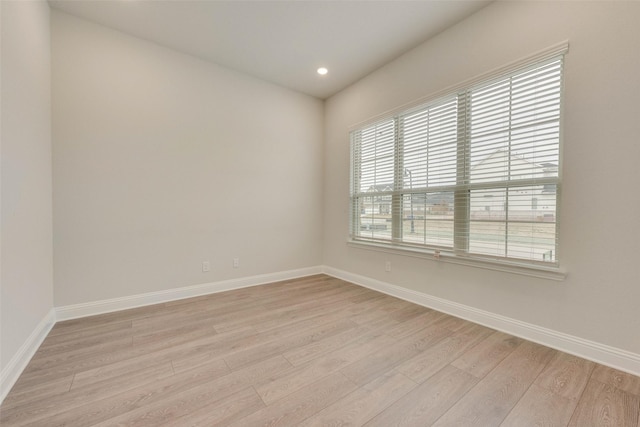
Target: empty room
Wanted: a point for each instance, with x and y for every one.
(296, 213)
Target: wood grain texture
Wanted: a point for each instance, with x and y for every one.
(221, 412)
(541, 407)
(292, 410)
(291, 381)
(373, 365)
(618, 379)
(439, 355)
(364, 403)
(427, 402)
(605, 405)
(490, 401)
(486, 355)
(566, 375)
(309, 351)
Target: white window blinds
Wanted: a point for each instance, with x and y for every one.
(475, 173)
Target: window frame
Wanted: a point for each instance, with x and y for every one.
(458, 252)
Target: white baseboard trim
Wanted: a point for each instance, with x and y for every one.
(123, 303)
(11, 372)
(610, 356)
(600, 353)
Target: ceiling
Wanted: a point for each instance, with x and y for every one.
(283, 42)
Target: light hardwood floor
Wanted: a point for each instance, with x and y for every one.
(307, 352)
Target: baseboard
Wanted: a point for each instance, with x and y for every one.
(600, 353)
(116, 304)
(20, 360)
(596, 352)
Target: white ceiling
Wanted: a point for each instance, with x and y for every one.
(283, 42)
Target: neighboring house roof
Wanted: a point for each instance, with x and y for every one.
(380, 188)
(549, 165)
(494, 157)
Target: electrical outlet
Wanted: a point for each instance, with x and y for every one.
(236, 262)
(206, 266)
(387, 266)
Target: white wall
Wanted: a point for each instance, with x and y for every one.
(600, 206)
(162, 161)
(26, 291)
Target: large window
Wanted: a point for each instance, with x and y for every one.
(473, 174)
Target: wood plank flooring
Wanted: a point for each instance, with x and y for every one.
(315, 351)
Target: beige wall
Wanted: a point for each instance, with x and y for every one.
(162, 161)
(600, 206)
(26, 290)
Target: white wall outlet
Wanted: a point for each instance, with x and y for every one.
(387, 266)
(206, 266)
(236, 262)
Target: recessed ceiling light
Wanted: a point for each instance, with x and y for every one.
(322, 71)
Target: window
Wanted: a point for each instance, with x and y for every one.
(473, 174)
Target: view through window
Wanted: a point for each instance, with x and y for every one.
(475, 173)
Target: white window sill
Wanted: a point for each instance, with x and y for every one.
(539, 271)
